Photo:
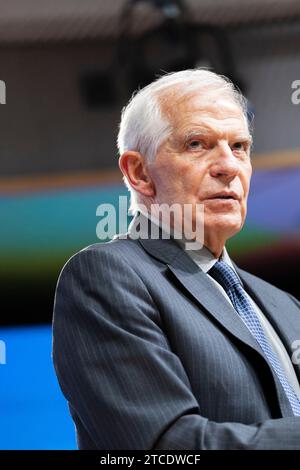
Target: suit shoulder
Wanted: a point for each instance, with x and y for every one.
(124, 249)
(114, 252)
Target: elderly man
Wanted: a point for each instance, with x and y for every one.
(161, 347)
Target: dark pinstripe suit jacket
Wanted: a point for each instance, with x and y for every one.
(150, 355)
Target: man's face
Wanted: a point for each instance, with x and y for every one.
(206, 160)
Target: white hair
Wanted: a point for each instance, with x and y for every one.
(143, 127)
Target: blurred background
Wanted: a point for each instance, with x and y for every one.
(69, 67)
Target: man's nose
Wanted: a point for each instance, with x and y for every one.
(225, 164)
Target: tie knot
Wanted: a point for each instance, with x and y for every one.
(224, 275)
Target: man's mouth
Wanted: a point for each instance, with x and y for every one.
(224, 195)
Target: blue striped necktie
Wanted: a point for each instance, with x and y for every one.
(229, 280)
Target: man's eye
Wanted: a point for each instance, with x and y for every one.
(239, 146)
(195, 144)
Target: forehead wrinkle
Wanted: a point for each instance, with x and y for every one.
(219, 131)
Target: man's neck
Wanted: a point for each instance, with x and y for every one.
(191, 246)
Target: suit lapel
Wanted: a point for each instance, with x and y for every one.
(202, 288)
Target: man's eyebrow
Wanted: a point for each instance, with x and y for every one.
(243, 137)
(197, 133)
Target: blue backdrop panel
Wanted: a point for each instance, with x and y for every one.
(34, 414)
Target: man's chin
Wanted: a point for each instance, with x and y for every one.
(225, 225)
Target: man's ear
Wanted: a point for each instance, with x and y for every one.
(133, 166)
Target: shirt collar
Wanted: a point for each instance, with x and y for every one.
(202, 257)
